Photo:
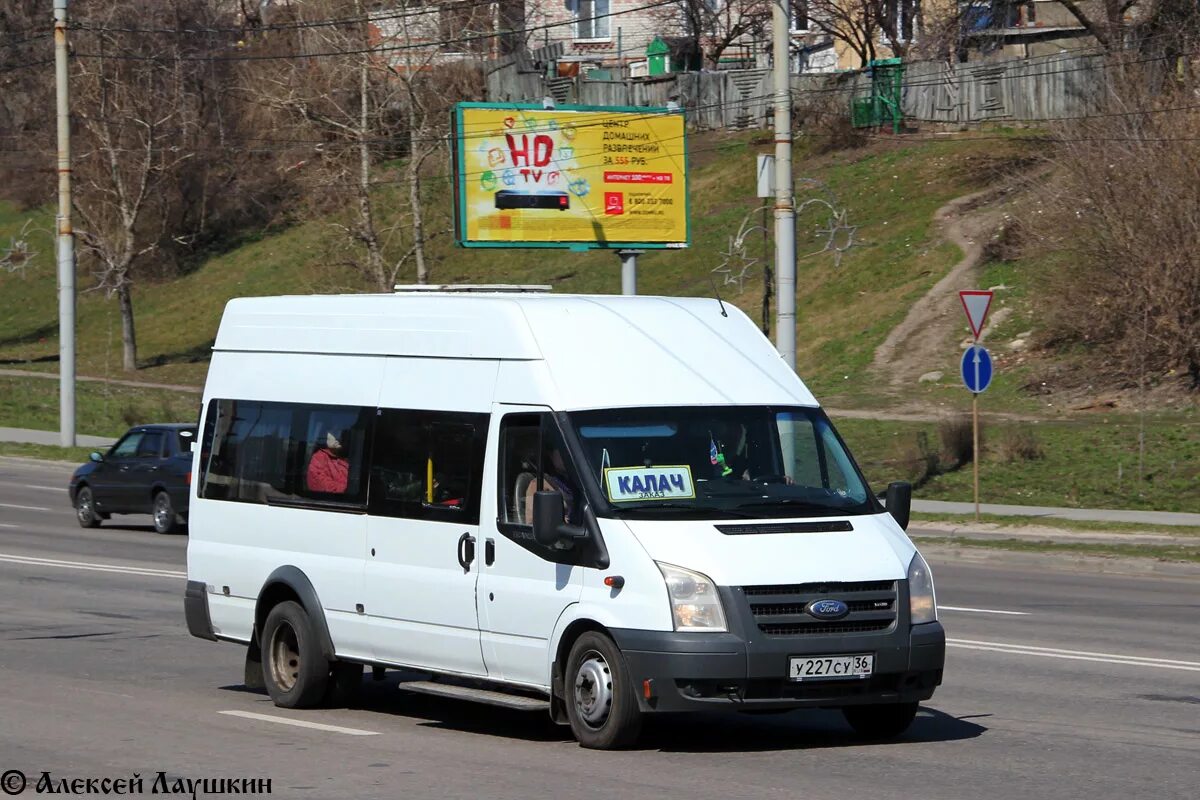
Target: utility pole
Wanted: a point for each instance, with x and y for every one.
(66, 238)
(785, 212)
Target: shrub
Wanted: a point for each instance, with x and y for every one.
(955, 434)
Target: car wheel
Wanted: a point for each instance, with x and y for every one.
(601, 705)
(165, 519)
(884, 721)
(85, 508)
(295, 672)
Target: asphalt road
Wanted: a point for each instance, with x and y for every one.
(1088, 687)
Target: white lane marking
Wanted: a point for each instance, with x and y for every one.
(8, 525)
(983, 610)
(45, 488)
(24, 508)
(32, 561)
(1074, 655)
(299, 723)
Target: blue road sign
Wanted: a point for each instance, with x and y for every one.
(976, 368)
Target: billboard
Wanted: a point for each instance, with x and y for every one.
(574, 176)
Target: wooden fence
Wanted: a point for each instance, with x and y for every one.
(1014, 90)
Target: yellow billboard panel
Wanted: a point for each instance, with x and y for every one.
(570, 177)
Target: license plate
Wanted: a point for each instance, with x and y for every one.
(831, 668)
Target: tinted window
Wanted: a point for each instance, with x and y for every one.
(531, 445)
(127, 447)
(428, 465)
(262, 452)
(151, 445)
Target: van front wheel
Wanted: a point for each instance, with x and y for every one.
(295, 672)
(601, 705)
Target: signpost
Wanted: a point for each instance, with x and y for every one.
(976, 369)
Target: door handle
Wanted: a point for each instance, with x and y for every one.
(466, 551)
(489, 551)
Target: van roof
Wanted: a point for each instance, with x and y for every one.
(591, 343)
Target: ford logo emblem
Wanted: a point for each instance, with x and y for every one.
(828, 609)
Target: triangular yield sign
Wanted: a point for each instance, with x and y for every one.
(976, 304)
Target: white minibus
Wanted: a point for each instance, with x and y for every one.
(601, 507)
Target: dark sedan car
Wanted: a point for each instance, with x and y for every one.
(148, 471)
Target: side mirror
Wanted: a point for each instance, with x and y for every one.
(549, 529)
(95, 456)
(899, 502)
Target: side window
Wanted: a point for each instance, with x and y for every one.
(428, 465)
(259, 452)
(127, 447)
(151, 445)
(534, 456)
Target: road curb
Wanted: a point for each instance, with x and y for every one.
(1070, 562)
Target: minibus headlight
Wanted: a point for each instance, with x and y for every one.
(922, 603)
(695, 602)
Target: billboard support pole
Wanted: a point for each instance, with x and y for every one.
(629, 270)
(785, 211)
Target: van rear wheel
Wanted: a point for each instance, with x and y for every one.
(883, 721)
(294, 670)
(601, 705)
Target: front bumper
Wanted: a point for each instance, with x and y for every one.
(746, 670)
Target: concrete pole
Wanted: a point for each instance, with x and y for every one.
(629, 270)
(66, 238)
(785, 211)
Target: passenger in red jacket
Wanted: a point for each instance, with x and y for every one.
(329, 469)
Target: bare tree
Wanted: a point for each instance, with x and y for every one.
(854, 23)
(373, 90)
(1122, 211)
(133, 112)
(713, 26)
(1105, 20)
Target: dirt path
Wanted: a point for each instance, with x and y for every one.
(174, 387)
(932, 322)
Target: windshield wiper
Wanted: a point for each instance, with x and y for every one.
(728, 512)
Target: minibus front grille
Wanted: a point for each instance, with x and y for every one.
(782, 609)
(802, 629)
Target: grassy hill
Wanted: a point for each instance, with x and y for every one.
(889, 191)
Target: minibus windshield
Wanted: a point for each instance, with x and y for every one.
(720, 461)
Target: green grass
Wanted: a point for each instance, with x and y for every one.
(45, 452)
(889, 191)
(101, 409)
(1158, 552)
(1073, 525)
(1090, 463)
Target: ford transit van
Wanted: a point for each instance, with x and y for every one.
(601, 507)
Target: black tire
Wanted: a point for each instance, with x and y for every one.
(294, 670)
(85, 508)
(345, 684)
(165, 518)
(884, 721)
(601, 704)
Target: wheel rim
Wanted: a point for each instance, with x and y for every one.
(285, 657)
(84, 507)
(593, 689)
(162, 512)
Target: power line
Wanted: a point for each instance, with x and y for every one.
(382, 48)
(369, 17)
